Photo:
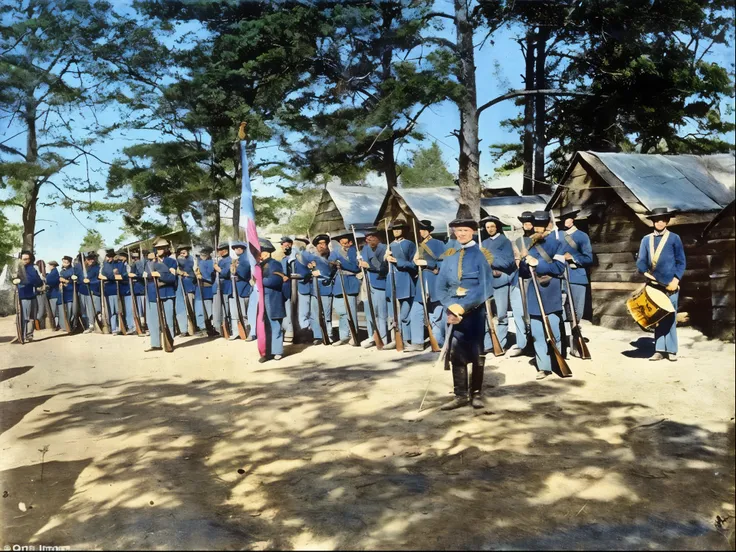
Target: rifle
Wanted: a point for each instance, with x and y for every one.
(432, 339)
(374, 322)
(50, 318)
(224, 326)
(241, 326)
(91, 297)
(191, 318)
(394, 301)
(19, 322)
(145, 291)
(121, 314)
(563, 370)
(168, 341)
(64, 313)
(76, 304)
(103, 304)
(578, 341)
(136, 314)
(525, 308)
(294, 301)
(497, 349)
(207, 322)
(351, 322)
(321, 312)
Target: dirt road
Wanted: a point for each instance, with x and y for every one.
(106, 447)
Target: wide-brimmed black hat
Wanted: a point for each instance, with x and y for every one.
(67, 258)
(492, 218)
(122, 253)
(427, 225)
(397, 223)
(109, 252)
(526, 216)
(266, 245)
(568, 212)
(286, 239)
(206, 250)
(661, 212)
(466, 222)
(342, 234)
(372, 232)
(223, 246)
(320, 237)
(540, 218)
(91, 255)
(301, 238)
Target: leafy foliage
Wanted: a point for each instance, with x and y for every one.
(92, 241)
(426, 169)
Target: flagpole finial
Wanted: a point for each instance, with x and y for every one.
(241, 131)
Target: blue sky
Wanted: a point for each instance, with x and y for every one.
(499, 68)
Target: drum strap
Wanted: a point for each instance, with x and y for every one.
(543, 253)
(571, 242)
(654, 255)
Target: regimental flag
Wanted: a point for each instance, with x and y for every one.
(248, 226)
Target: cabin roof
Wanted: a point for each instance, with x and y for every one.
(358, 205)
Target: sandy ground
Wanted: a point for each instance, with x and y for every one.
(206, 448)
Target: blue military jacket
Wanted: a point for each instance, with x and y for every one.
(52, 280)
(94, 282)
(29, 281)
(107, 271)
(549, 288)
(124, 283)
(503, 260)
(304, 285)
(582, 254)
(349, 263)
(67, 274)
(207, 270)
(378, 268)
(287, 265)
(136, 270)
(225, 283)
(521, 248)
(243, 274)
(467, 268)
(671, 262)
(186, 264)
(272, 289)
(168, 290)
(405, 270)
(326, 273)
(430, 250)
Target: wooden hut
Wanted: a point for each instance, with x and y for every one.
(719, 241)
(615, 191)
(343, 206)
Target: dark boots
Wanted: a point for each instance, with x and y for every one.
(476, 385)
(460, 383)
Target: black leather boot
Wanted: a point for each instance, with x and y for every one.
(460, 382)
(476, 387)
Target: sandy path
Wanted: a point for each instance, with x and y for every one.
(206, 448)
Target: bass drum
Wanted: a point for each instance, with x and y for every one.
(649, 306)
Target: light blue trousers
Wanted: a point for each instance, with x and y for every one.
(665, 333)
(578, 297)
(234, 311)
(501, 298)
(436, 321)
(112, 309)
(404, 316)
(221, 311)
(181, 309)
(55, 311)
(29, 308)
(517, 308)
(199, 313)
(305, 304)
(153, 322)
(277, 336)
(314, 316)
(541, 348)
(71, 311)
(342, 313)
(381, 309)
(90, 306)
(252, 315)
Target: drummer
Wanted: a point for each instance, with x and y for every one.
(662, 260)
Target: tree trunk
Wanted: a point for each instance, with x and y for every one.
(31, 198)
(236, 217)
(469, 160)
(389, 164)
(528, 151)
(540, 142)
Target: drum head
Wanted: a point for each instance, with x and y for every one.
(659, 298)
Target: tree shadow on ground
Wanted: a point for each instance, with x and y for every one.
(12, 412)
(9, 373)
(337, 457)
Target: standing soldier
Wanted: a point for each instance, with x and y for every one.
(163, 268)
(345, 259)
(107, 276)
(464, 283)
(372, 260)
(505, 275)
(53, 293)
(28, 281)
(205, 274)
(546, 257)
(185, 269)
(90, 290)
(429, 257)
(578, 255)
(121, 276)
(520, 291)
(67, 277)
(135, 270)
(240, 268)
(287, 267)
(400, 253)
(662, 260)
(304, 284)
(321, 276)
(222, 307)
(274, 299)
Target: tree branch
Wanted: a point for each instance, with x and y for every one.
(517, 93)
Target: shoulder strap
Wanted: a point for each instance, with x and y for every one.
(488, 255)
(571, 242)
(543, 253)
(654, 255)
(427, 250)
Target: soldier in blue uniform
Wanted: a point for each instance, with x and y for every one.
(429, 257)
(185, 269)
(121, 272)
(505, 275)
(90, 290)
(222, 307)
(287, 268)
(274, 299)
(67, 277)
(662, 260)
(53, 293)
(518, 308)
(546, 257)
(303, 275)
(322, 275)
(28, 281)
(401, 254)
(372, 260)
(204, 272)
(107, 276)
(464, 283)
(164, 268)
(240, 271)
(345, 259)
(578, 255)
(136, 269)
